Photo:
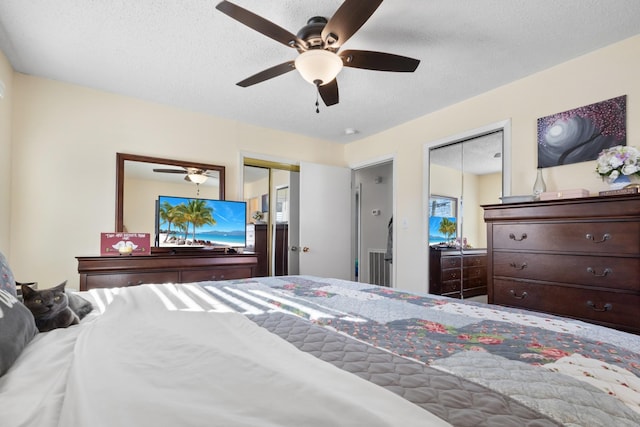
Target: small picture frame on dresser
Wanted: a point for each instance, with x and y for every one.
(119, 244)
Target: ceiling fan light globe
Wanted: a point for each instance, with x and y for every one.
(197, 178)
(318, 65)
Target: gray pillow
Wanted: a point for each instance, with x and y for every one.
(17, 328)
(7, 282)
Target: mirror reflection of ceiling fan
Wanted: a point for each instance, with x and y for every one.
(195, 175)
(318, 43)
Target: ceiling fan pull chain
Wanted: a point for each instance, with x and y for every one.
(317, 103)
(197, 190)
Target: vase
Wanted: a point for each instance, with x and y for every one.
(539, 186)
(620, 182)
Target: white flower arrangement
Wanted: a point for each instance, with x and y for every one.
(257, 216)
(619, 160)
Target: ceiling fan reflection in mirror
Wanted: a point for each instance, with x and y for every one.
(197, 176)
(318, 43)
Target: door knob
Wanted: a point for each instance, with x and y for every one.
(305, 249)
(294, 249)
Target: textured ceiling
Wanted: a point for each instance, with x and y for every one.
(189, 55)
(477, 156)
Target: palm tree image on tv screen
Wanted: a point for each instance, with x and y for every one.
(194, 222)
(441, 230)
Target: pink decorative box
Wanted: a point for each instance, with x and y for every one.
(564, 194)
(113, 244)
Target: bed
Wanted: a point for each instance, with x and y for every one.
(309, 351)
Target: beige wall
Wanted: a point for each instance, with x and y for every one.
(65, 138)
(63, 165)
(6, 76)
(600, 75)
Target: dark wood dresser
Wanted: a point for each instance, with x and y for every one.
(457, 274)
(258, 242)
(120, 271)
(578, 258)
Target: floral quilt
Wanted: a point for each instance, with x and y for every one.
(542, 360)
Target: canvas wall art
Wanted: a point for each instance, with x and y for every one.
(578, 135)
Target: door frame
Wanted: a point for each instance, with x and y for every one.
(357, 249)
(270, 162)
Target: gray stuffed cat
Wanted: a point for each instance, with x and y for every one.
(54, 308)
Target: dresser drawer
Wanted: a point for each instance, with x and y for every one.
(130, 279)
(450, 286)
(606, 272)
(610, 308)
(588, 237)
(450, 262)
(474, 281)
(226, 273)
(475, 261)
(475, 273)
(451, 274)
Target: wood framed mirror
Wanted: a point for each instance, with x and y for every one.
(141, 179)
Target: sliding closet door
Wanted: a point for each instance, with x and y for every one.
(445, 220)
(463, 175)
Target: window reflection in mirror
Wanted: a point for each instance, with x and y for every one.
(443, 220)
(282, 204)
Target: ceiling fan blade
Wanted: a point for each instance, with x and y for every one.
(378, 61)
(170, 170)
(260, 24)
(267, 74)
(347, 20)
(329, 93)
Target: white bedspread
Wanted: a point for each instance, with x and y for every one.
(140, 364)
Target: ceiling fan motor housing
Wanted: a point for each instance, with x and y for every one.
(312, 34)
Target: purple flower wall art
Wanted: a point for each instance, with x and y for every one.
(579, 135)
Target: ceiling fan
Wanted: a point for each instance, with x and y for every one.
(318, 44)
(195, 175)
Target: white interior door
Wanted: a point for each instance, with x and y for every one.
(294, 223)
(325, 220)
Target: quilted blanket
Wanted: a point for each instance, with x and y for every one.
(470, 364)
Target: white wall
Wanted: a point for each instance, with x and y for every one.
(600, 75)
(6, 77)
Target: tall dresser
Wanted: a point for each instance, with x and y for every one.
(577, 257)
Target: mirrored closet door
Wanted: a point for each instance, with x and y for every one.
(463, 176)
(271, 194)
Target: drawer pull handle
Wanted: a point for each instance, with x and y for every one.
(604, 272)
(605, 237)
(513, 293)
(518, 267)
(139, 282)
(606, 307)
(522, 237)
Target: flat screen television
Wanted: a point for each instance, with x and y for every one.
(193, 222)
(436, 235)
